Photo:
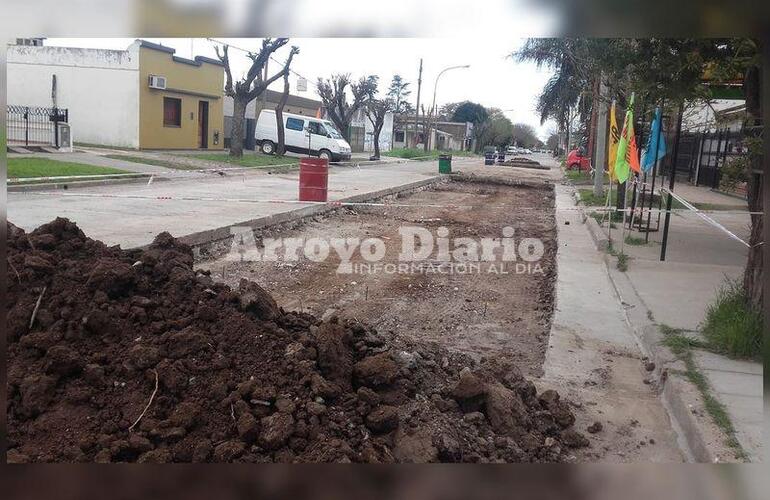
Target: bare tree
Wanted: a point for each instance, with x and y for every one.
(333, 93)
(377, 110)
(250, 86)
(281, 149)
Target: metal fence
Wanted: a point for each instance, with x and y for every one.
(34, 126)
(702, 155)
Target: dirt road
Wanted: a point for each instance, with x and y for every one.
(499, 308)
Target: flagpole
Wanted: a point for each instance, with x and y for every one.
(636, 174)
(609, 212)
(655, 167)
(623, 229)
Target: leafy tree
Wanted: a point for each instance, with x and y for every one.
(251, 85)
(496, 131)
(524, 135)
(447, 111)
(680, 70)
(333, 93)
(470, 112)
(398, 92)
(552, 142)
(476, 114)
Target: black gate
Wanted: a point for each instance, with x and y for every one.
(716, 149)
(34, 126)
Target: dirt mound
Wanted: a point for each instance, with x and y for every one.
(120, 355)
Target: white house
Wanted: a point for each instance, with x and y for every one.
(84, 77)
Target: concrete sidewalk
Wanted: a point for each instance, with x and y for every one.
(593, 355)
(131, 215)
(677, 292)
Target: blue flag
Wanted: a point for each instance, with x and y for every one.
(649, 158)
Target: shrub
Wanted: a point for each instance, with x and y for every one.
(731, 325)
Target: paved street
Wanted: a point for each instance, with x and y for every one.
(131, 215)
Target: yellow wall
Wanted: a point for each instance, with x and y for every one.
(182, 80)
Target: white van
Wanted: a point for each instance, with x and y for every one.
(304, 135)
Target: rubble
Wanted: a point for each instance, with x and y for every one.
(238, 378)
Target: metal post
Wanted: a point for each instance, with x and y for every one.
(672, 177)
(56, 127)
(655, 167)
(417, 107)
(640, 136)
(26, 126)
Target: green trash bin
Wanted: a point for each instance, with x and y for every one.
(445, 164)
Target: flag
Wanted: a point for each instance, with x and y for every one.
(614, 138)
(627, 158)
(649, 157)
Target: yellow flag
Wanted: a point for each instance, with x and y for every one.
(613, 142)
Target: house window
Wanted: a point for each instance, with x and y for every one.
(399, 136)
(172, 112)
(295, 124)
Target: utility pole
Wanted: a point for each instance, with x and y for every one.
(601, 143)
(417, 107)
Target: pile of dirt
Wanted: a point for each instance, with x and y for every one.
(522, 162)
(118, 355)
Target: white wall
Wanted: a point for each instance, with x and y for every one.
(100, 88)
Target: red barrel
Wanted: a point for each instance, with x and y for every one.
(313, 179)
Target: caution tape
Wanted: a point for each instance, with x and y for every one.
(703, 216)
(339, 203)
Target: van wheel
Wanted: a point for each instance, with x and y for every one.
(325, 154)
(268, 147)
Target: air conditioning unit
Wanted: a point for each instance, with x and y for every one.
(157, 82)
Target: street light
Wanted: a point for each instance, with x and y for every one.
(435, 87)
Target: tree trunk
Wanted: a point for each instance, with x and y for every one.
(377, 130)
(752, 276)
(236, 135)
(281, 149)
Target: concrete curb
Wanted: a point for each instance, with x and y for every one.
(23, 188)
(679, 395)
(208, 237)
(597, 234)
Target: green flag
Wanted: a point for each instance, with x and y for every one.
(627, 158)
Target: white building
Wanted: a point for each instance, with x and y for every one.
(362, 133)
(105, 82)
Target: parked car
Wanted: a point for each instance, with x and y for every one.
(577, 160)
(304, 135)
(526, 151)
(512, 150)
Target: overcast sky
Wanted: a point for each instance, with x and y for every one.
(493, 79)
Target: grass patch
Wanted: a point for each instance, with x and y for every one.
(622, 264)
(411, 153)
(635, 241)
(622, 261)
(44, 167)
(151, 161)
(731, 325)
(589, 199)
(255, 160)
(612, 216)
(682, 346)
(583, 177)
